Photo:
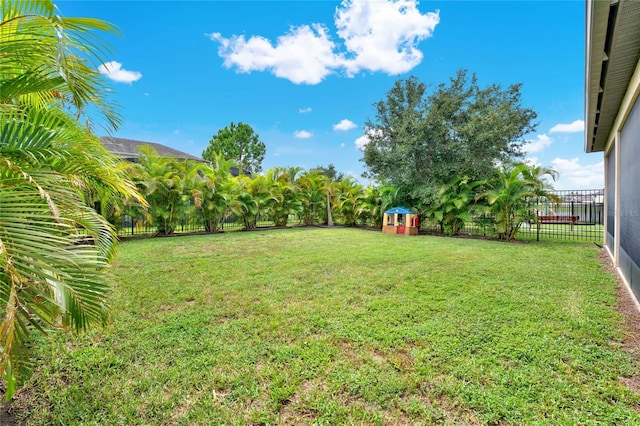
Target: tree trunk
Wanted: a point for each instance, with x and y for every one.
(329, 218)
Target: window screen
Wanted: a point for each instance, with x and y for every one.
(611, 192)
(629, 214)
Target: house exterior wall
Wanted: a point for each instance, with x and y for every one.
(612, 125)
(610, 196)
(628, 213)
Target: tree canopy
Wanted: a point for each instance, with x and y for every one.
(420, 140)
(331, 172)
(238, 143)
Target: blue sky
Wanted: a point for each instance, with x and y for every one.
(304, 74)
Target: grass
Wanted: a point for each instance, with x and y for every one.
(343, 326)
(554, 231)
(579, 232)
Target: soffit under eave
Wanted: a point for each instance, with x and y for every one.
(596, 36)
(623, 58)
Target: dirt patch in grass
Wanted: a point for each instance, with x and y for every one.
(401, 360)
(180, 410)
(293, 411)
(6, 417)
(629, 310)
(633, 383)
(378, 357)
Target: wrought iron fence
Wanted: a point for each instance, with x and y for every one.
(567, 214)
(191, 222)
(571, 214)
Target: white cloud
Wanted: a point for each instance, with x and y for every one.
(362, 141)
(342, 145)
(573, 175)
(383, 36)
(575, 127)
(532, 161)
(114, 71)
(306, 110)
(176, 132)
(375, 36)
(537, 145)
(304, 55)
(146, 94)
(302, 134)
(344, 125)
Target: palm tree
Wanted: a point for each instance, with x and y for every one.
(350, 196)
(45, 60)
(285, 194)
(453, 205)
(129, 206)
(253, 197)
(537, 176)
(313, 187)
(391, 197)
(371, 207)
(168, 185)
(215, 197)
(54, 248)
(510, 194)
(377, 200)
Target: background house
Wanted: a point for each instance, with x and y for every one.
(613, 124)
(129, 149)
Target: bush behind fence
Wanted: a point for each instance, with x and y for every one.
(570, 214)
(587, 205)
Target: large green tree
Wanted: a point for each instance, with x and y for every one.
(54, 248)
(331, 172)
(238, 143)
(419, 140)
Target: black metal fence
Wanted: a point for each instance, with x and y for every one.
(576, 215)
(570, 214)
(190, 223)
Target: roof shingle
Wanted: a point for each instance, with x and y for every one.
(129, 149)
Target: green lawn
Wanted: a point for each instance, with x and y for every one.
(344, 326)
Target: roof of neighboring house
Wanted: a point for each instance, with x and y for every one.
(400, 210)
(613, 52)
(129, 149)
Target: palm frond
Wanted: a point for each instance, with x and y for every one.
(59, 55)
